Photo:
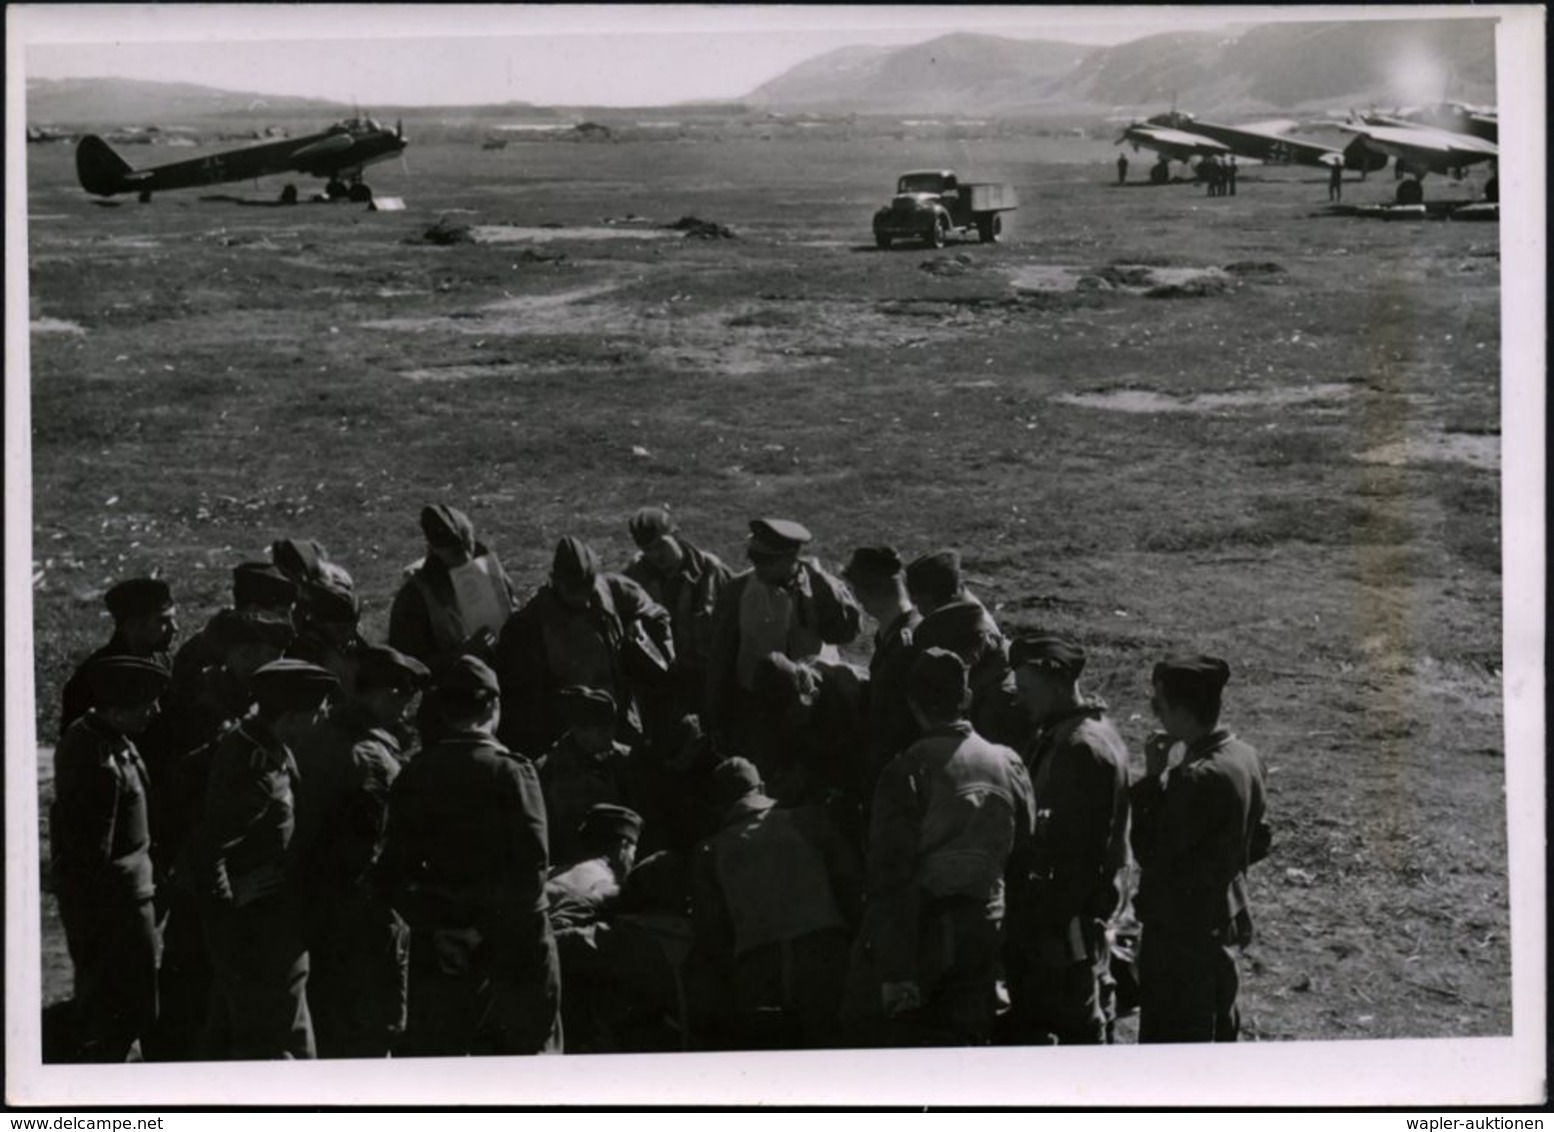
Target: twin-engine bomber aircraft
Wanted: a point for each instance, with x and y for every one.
(339, 153)
(1180, 137)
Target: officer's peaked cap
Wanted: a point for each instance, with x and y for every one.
(581, 706)
(776, 537)
(936, 573)
(468, 677)
(613, 820)
(1055, 652)
(379, 666)
(292, 685)
(871, 565)
(1191, 675)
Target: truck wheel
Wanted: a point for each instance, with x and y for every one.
(937, 234)
(989, 226)
(882, 241)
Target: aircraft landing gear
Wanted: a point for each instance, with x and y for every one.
(289, 194)
(1410, 192)
(360, 193)
(145, 196)
(336, 190)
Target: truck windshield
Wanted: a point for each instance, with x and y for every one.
(921, 183)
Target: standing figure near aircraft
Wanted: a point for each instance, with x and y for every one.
(244, 869)
(1197, 827)
(1122, 168)
(686, 581)
(101, 847)
(584, 628)
(456, 599)
(785, 603)
(145, 621)
(952, 813)
(1057, 954)
(1230, 174)
(1335, 181)
(465, 864)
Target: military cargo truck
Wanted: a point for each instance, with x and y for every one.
(930, 204)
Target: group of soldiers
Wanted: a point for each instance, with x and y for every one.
(645, 810)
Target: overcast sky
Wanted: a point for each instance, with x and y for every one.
(605, 55)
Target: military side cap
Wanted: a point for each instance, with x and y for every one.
(575, 562)
(299, 559)
(582, 706)
(126, 681)
(1192, 675)
(938, 677)
(262, 583)
(1053, 651)
(292, 685)
(605, 818)
(137, 597)
(332, 604)
(871, 565)
(649, 525)
(378, 666)
(733, 779)
(232, 628)
(936, 573)
(777, 537)
(470, 677)
(447, 526)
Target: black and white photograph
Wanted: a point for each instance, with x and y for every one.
(570, 555)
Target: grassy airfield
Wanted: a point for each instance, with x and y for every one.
(1149, 417)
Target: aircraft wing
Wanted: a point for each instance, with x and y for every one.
(1172, 142)
(1437, 149)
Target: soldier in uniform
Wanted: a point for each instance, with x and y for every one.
(257, 587)
(1122, 168)
(465, 865)
(954, 619)
(584, 628)
(686, 581)
(357, 944)
(145, 621)
(243, 867)
(952, 814)
(331, 637)
(776, 895)
(101, 845)
(454, 600)
(1057, 954)
(585, 768)
(205, 707)
(785, 603)
(1197, 826)
(876, 576)
(578, 897)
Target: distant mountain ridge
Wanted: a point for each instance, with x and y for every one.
(1241, 70)
(1244, 69)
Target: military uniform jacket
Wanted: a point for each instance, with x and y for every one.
(821, 603)
(241, 851)
(949, 814)
(424, 621)
(99, 835)
(76, 696)
(1079, 776)
(771, 875)
(891, 727)
(346, 769)
(1196, 829)
(691, 597)
(531, 675)
(466, 840)
(573, 782)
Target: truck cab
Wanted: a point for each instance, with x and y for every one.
(929, 204)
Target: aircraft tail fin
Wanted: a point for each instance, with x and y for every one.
(100, 169)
